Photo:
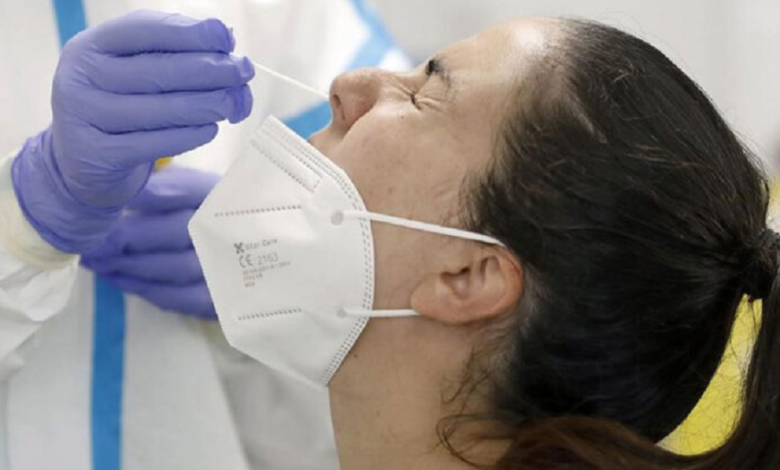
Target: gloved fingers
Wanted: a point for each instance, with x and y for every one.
(165, 72)
(113, 113)
(139, 233)
(155, 31)
(178, 268)
(174, 188)
(133, 149)
(191, 300)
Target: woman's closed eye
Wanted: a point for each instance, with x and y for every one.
(432, 67)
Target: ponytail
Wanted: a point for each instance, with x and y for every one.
(584, 443)
(755, 443)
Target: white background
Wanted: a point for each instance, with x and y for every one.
(730, 47)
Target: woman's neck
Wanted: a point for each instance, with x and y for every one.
(386, 408)
(392, 429)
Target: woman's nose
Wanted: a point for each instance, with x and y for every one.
(352, 95)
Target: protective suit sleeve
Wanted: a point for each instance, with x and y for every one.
(35, 278)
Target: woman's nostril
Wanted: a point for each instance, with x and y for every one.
(337, 105)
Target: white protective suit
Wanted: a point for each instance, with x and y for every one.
(93, 379)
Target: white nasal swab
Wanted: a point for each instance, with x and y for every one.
(291, 81)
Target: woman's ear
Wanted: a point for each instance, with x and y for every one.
(487, 286)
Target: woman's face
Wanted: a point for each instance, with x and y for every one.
(409, 141)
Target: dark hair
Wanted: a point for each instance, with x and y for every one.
(640, 222)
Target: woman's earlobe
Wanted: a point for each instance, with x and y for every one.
(486, 288)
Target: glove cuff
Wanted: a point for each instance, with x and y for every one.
(64, 222)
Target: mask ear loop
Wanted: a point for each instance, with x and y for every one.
(356, 312)
(339, 217)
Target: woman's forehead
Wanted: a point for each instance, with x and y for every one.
(486, 68)
(507, 43)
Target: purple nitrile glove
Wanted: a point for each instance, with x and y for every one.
(149, 252)
(126, 92)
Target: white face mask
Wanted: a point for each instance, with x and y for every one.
(286, 247)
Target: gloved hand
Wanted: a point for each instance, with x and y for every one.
(149, 252)
(129, 91)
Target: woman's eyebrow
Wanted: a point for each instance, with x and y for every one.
(438, 66)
